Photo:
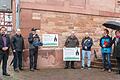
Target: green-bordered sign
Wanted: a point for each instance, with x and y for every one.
(71, 54)
(50, 39)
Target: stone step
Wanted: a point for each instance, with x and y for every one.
(100, 63)
(112, 60)
(100, 67)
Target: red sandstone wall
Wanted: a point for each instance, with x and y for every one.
(61, 24)
(42, 14)
(95, 7)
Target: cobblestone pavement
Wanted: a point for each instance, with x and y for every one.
(61, 74)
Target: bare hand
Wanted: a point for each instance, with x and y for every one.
(23, 50)
(103, 45)
(85, 47)
(34, 35)
(14, 51)
(5, 48)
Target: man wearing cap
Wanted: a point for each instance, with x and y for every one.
(33, 50)
(4, 49)
(18, 48)
(71, 42)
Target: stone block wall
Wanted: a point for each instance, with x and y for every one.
(61, 17)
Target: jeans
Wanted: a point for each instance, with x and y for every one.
(106, 60)
(33, 55)
(17, 62)
(84, 53)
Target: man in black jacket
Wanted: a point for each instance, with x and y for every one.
(71, 42)
(18, 48)
(4, 49)
(33, 50)
(87, 43)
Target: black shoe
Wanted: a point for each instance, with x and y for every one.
(73, 67)
(36, 69)
(118, 72)
(32, 69)
(66, 68)
(21, 69)
(16, 70)
(6, 74)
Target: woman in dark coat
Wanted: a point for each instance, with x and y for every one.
(116, 50)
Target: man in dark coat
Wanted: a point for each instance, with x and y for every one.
(106, 49)
(87, 43)
(33, 50)
(4, 49)
(116, 50)
(71, 42)
(18, 48)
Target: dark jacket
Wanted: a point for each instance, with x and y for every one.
(116, 49)
(31, 39)
(17, 42)
(88, 42)
(72, 42)
(106, 40)
(7, 43)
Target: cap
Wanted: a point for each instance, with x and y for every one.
(33, 29)
(18, 30)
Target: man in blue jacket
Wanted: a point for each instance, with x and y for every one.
(87, 43)
(33, 49)
(105, 43)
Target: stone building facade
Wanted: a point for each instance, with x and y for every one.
(61, 17)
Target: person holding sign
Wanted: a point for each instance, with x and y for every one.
(87, 43)
(71, 42)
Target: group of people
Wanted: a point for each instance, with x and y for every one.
(16, 43)
(106, 43)
(87, 42)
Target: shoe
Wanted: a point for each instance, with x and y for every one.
(21, 69)
(6, 74)
(16, 70)
(32, 69)
(73, 67)
(89, 68)
(66, 68)
(118, 72)
(82, 67)
(36, 69)
(103, 69)
(109, 70)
